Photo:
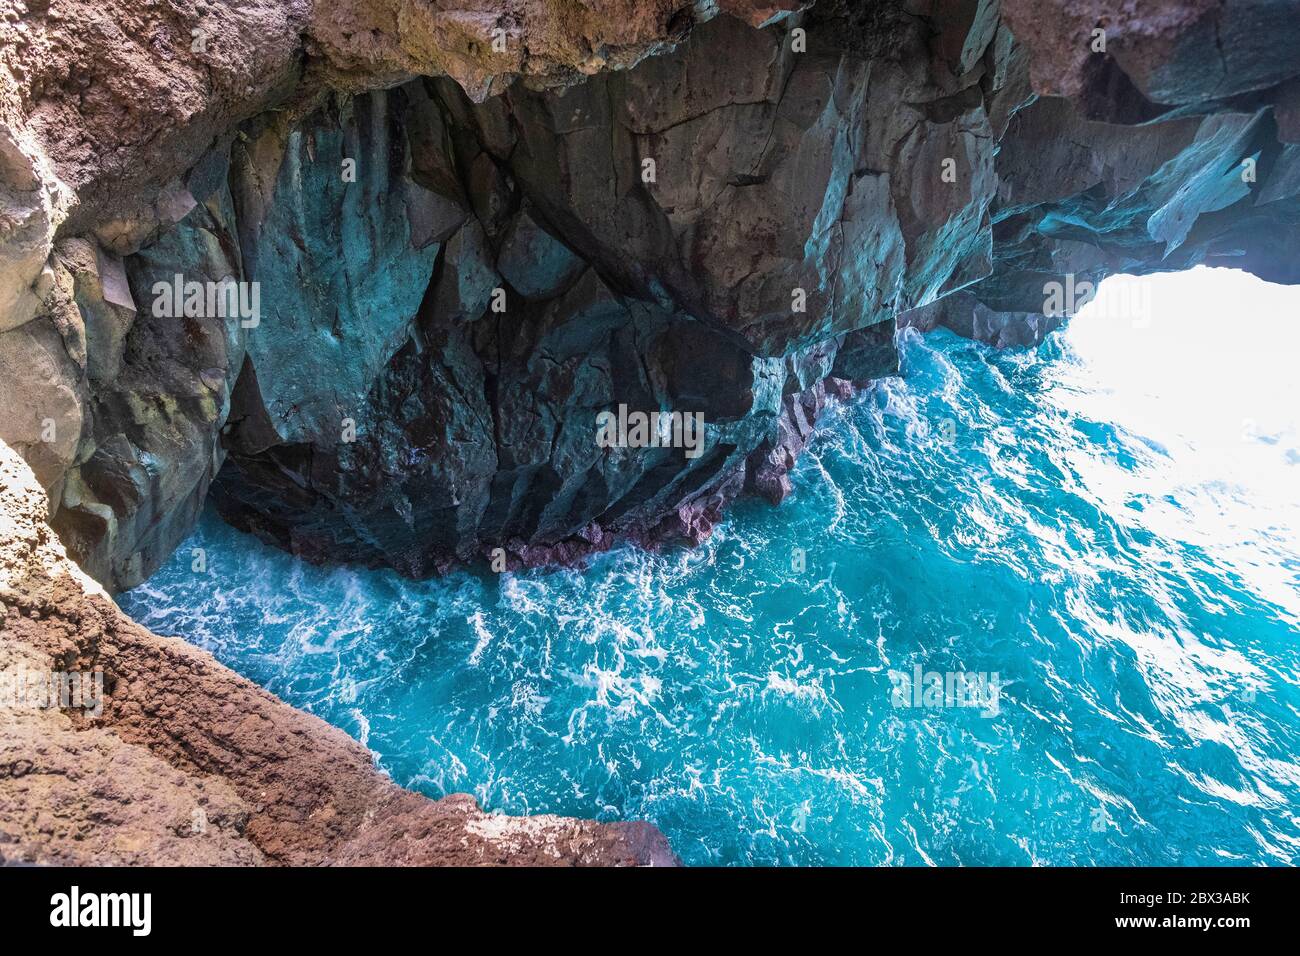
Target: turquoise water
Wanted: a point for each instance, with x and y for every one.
(1123, 564)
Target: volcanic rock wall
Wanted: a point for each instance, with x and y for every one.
(657, 206)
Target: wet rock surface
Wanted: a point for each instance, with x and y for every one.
(735, 209)
(690, 236)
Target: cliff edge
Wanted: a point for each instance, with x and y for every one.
(187, 763)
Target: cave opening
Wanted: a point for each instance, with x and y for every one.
(1200, 366)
